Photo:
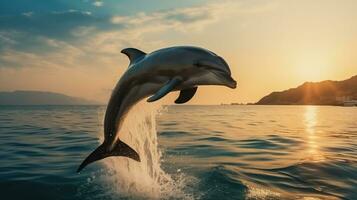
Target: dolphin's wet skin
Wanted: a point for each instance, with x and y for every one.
(181, 68)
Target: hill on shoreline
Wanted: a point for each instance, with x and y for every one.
(315, 93)
(21, 97)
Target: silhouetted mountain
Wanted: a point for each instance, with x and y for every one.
(40, 98)
(315, 93)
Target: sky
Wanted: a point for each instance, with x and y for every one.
(73, 46)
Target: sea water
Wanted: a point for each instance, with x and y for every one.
(187, 152)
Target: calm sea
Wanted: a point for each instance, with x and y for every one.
(187, 152)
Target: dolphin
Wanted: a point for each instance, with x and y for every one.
(156, 74)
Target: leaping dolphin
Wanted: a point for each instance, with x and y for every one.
(158, 73)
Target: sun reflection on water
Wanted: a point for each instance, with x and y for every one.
(310, 119)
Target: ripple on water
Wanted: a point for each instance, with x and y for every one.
(326, 178)
(231, 152)
(220, 182)
(260, 144)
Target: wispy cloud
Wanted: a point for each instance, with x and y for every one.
(31, 37)
(28, 14)
(98, 3)
(54, 24)
(66, 46)
(192, 18)
(73, 35)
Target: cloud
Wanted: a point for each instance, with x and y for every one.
(141, 26)
(78, 51)
(28, 14)
(27, 38)
(75, 38)
(6, 38)
(98, 3)
(66, 57)
(192, 18)
(54, 24)
(32, 33)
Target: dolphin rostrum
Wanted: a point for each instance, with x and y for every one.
(158, 73)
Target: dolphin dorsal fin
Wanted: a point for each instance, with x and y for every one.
(133, 54)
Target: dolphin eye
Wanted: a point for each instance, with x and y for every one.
(197, 64)
(202, 64)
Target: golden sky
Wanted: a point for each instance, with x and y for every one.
(270, 45)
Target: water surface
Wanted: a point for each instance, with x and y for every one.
(204, 152)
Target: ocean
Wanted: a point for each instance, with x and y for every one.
(187, 152)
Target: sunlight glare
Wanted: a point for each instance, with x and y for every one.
(310, 119)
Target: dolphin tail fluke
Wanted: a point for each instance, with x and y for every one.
(120, 149)
(97, 154)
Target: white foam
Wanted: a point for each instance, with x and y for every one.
(145, 179)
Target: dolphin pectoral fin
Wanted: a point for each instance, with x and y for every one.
(120, 149)
(168, 87)
(186, 95)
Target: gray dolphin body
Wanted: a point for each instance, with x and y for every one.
(158, 73)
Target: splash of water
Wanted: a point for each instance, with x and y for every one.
(145, 179)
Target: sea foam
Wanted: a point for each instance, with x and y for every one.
(145, 179)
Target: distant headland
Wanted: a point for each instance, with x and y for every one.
(21, 97)
(316, 93)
